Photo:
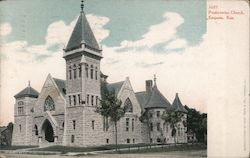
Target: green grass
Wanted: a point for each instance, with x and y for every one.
(65, 149)
(15, 147)
(179, 147)
(183, 147)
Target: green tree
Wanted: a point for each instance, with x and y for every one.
(145, 118)
(6, 135)
(172, 118)
(197, 124)
(110, 107)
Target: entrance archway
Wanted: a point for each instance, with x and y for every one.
(48, 131)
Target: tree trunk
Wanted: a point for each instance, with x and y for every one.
(193, 139)
(149, 133)
(115, 136)
(175, 140)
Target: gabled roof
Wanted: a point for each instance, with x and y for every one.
(115, 86)
(61, 85)
(177, 105)
(82, 33)
(2, 129)
(27, 92)
(157, 100)
(142, 98)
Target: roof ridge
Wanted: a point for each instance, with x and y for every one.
(117, 82)
(58, 79)
(141, 92)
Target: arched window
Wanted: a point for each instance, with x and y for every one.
(91, 72)
(49, 104)
(20, 103)
(63, 125)
(128, 107)
(70, 73)
(80, 71)
(96, 73)
(36, 130)
(72, 138)
(74, 71)
(87, 70)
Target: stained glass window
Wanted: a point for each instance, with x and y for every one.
(128, 105)
(49, 104)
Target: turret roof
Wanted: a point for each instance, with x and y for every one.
(177, 105)
(157, 100)
(82, 33)
(27, 92)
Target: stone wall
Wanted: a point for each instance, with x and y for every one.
(23, 122)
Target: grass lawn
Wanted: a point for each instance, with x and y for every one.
(137, 148)
(66, 149)
(173, 154)
(15, 147)
(180, 147)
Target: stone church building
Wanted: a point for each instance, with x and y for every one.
(64, 111)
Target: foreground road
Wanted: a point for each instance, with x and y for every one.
(174, 154)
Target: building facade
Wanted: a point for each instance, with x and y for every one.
(64, 112)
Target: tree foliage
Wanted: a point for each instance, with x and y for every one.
(145, 118)
(110, 107)
(172, 117)
(6, 135)
(197, 124)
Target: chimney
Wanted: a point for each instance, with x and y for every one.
(149, 85)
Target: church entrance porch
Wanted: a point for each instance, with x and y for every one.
(48, 131)
(47, 137)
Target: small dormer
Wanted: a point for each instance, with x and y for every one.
(25, 100)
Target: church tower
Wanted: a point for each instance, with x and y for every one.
(24, 108)
(82, 55)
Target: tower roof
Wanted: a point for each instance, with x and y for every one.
(157, 100)
(82, 34)
(27, 92)
(177, 105)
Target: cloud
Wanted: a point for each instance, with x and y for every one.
(176, 44)
(196, 73)
(158, 34)
(97, 23)
(5, 29)
(21, 62)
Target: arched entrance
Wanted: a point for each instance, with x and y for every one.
(48, 132)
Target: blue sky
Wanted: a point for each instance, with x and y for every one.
(129, 19)
(139, 37)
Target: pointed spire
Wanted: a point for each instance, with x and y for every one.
(177, 105)
(82, 35)
(29, 83)
(155, 79)
(82, 5)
